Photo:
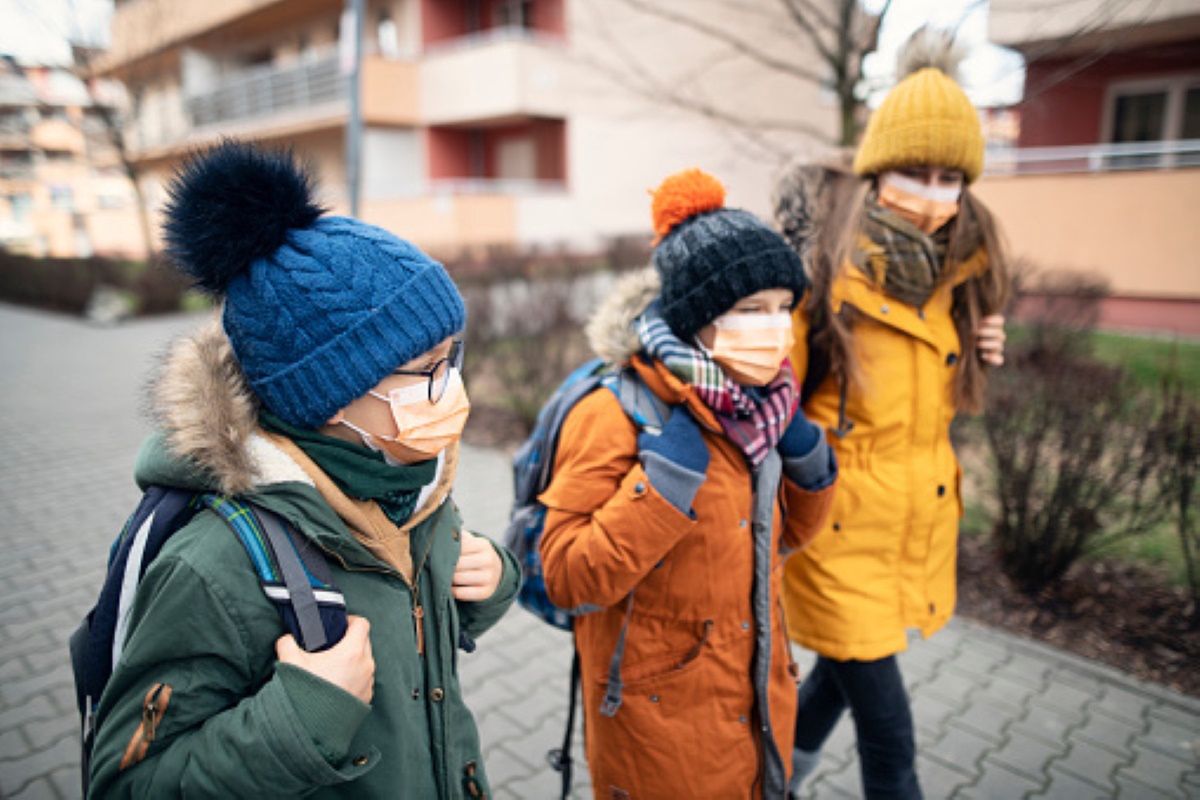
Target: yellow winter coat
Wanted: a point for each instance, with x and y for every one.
(886, 560)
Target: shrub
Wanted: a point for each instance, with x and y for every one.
(67, 284)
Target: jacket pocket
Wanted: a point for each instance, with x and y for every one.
(668, 664)
(154, 706)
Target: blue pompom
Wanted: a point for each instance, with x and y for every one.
(232, 205)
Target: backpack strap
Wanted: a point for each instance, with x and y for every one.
(293, 572)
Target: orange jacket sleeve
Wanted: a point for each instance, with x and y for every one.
(606, 525)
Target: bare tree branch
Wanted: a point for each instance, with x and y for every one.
(800, 17)
(717, 34)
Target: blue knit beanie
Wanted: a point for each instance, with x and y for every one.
(319, 309)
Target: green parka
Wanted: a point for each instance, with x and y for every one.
(234, 722)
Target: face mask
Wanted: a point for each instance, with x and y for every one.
(751, 347)
(926, 207)
(423, 427)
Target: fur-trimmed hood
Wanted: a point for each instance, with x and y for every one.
(610, 329)
(801, 200)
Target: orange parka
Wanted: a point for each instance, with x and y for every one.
(886, 560)
(689, 724)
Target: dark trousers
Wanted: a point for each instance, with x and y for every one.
(875, 693)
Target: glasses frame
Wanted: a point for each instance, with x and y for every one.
(453, 360)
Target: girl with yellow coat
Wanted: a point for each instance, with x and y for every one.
(894, 335)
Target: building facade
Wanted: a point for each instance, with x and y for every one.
(1106, 175)
(62, 193)
(507, 122)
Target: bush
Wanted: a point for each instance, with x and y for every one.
(1180, 429)
(67, 284)
(1079, 449)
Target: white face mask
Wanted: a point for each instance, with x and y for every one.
(751, 347)
(423, 427)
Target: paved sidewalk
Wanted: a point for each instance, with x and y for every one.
(997, 716)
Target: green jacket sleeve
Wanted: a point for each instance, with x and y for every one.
(221, 730)
(477, 617)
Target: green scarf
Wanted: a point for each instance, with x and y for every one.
(359, 471)
(899, 257)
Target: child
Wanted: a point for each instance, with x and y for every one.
(908, 278)
(664, 531)
(328, 392)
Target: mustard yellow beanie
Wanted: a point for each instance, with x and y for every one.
(926, 119)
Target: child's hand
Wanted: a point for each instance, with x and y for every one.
(990, 340)
(348, 665)
(478, 571)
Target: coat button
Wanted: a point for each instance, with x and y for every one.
(884, 308)
(837, 526)
(653, 698)
(639, 488)
(951, 359)
(742, 719)
(745, 625)
(416, 694)
(920, 313)
(457, 535)
(360, 761)
(941, 490)
(932, 608)
(437, 694)
(743, 523)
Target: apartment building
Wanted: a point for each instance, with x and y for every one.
(1106, 174)
(61, 191)
(518, 122)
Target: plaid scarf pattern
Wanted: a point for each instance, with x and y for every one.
(753, 418)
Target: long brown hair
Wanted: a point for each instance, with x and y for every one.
(843, 197)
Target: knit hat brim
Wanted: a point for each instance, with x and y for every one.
(423, 312)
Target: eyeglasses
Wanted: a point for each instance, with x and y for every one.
(439, 374)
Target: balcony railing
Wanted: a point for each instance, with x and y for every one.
(263, 91)
(1094, 158)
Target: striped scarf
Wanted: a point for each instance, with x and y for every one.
(754, 418)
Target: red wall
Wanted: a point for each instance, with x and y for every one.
(1064, 98)
(450, 149)
(442, 20)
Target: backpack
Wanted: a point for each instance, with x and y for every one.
(533, 468)
(292, 571)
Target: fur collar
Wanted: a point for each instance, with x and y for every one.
(610, 330)
(801, 200)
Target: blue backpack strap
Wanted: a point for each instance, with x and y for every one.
(293, 572)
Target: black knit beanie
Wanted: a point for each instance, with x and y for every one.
(709, 256)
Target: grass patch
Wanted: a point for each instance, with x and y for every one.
(1159, 547)
(1149, 360)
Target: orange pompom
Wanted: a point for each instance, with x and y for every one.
(682, 196)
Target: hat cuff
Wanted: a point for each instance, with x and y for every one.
(778, 268)
(424, 312)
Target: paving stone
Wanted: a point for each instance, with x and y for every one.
(14, 692)
(1027, 755)
(843, 782)
(1177, 715)
(36, 765)
(43, 733)
(962, 748)
(1130, 789)
(952, 686)
(976, 662)
(841, 746)
(1067, 696)
(1095, 765)
(1049, 723)
(1108, 731)
(930, 713)
(1171, 739)
(1121, 703)
(13, 745)
(1065, 786)
(1024, 670)
(999, 783)
(1155, 769)
(33, 708)
(66, 782)
(988, 719)
(941, 779)
(38, 789)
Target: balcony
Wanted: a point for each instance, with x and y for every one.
(503, 74)
(1095, 158)
(267, 91)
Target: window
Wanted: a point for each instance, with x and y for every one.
(22, 205)
(1152, 111)
(62, 197)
